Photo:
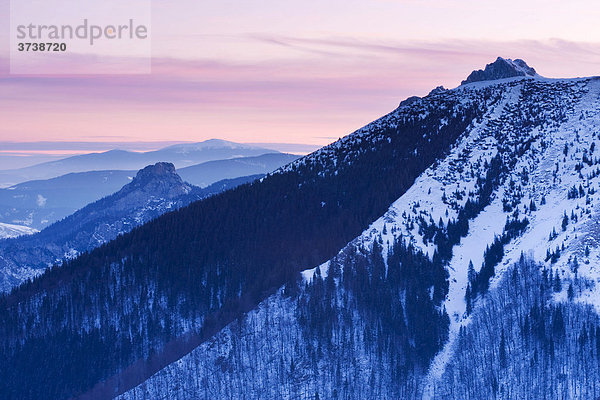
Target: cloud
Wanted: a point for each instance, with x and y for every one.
(550, 51)
(41, 200)
(17, 147)
(329, 87)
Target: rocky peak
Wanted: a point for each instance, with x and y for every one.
(159, 180)
(437, 90)
(409, 100)
(500, 69)
(160, 169)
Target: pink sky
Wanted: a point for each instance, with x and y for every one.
(294, 71)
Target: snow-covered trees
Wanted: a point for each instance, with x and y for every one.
(521, 344)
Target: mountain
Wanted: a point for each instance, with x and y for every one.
(181, 155)
(502, 191)
(501, 69)
(153, 191)
(209, 172)
(39, 203)
(12, 231)
(445, 250)
(190, 272)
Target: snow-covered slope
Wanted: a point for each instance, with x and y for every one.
(523, 179)
(545, 132)
(12, 231)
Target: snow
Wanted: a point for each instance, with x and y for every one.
(443, 178)
(12, 231)
(432, 194)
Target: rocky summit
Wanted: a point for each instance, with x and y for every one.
(501, 69)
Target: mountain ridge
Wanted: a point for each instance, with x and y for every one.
(180, 155)
(363, 263)
(520, 147)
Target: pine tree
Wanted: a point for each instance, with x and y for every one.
(502, 351)
(570, 293)
(557, 287)
(471, 274)
(575, 265)
(532, 206)
(469, 300)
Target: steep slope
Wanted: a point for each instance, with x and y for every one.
(151, 295)
(354, 331)
(522, 179)
(522, 343)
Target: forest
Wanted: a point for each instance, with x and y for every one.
(152, 295)
(522, 343)
(363, 329)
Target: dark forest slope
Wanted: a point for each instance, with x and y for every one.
(195, 269)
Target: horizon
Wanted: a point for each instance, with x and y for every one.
(315, 73)
(300, 199)
(22, 154)
(26, 154)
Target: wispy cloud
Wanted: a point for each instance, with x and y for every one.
(327, 88)
(78, 147)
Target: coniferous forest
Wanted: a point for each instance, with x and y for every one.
(153, 294)
(389, 264)
(520, 344)
(376, 319)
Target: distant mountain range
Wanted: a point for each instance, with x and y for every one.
(181, 155)
(206, 173)
(39, 203)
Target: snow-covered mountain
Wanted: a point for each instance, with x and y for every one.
(12, 231)
(522, 179)
(447, 250)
